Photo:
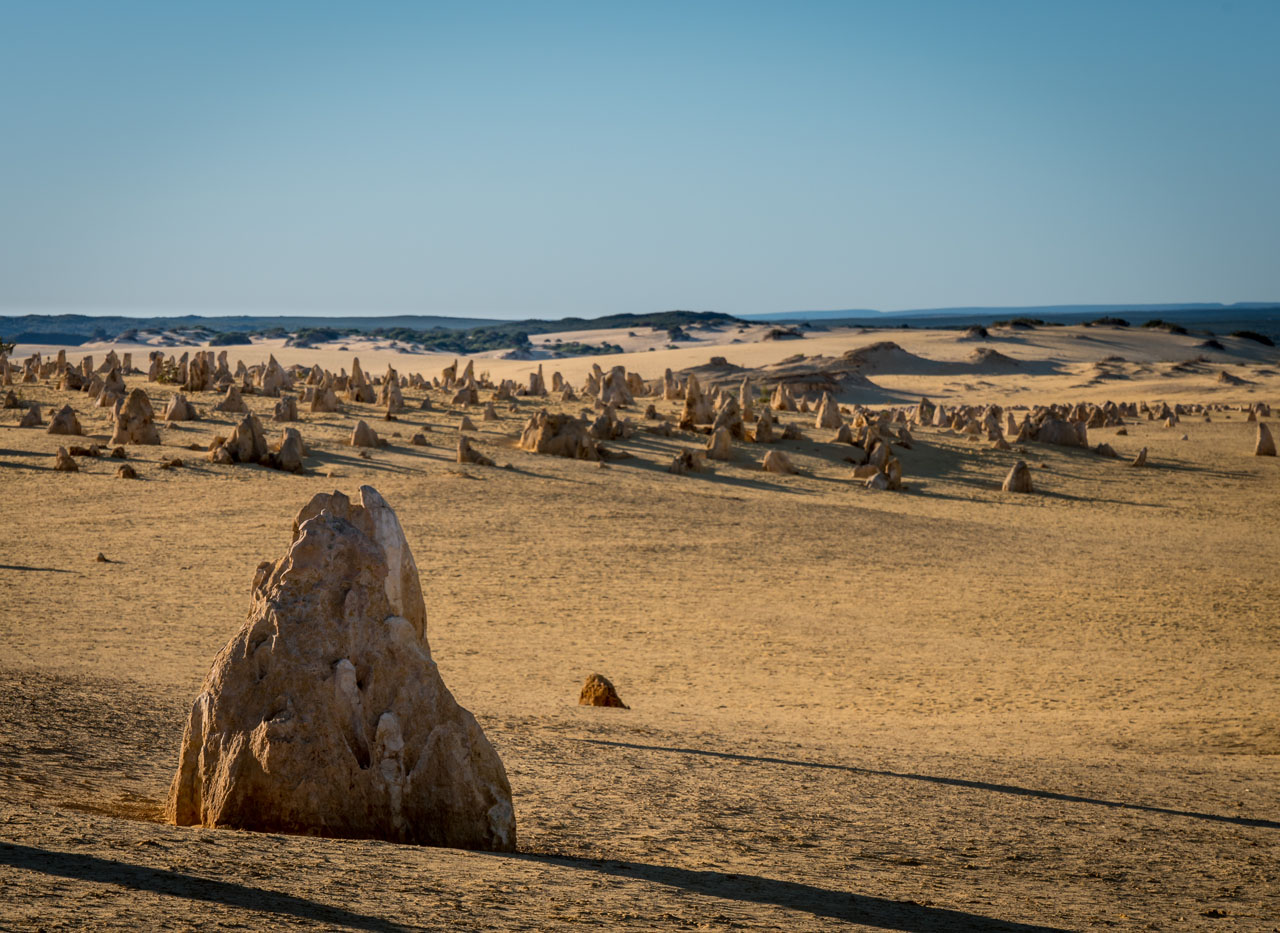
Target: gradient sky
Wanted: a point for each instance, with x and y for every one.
(544, 159)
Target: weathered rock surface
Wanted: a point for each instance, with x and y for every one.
(1019, 478)
(63, 463)
(65, 422)
(135, 421)
(687, 461)
(1062, 433)
(247, 443)
(559, 436)
(1266, 444)
(179, 409)
(289, 454)
(828, 413)
(719, 445)
(775, 461)
(232, 402)
(326, 714)
(599, 691)
(363, 436)
(324, 400)
(468, 454)
(286, 409)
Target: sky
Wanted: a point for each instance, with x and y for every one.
(543, 159)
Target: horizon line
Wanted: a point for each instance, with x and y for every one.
(511, 317)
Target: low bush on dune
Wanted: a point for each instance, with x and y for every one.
(229, 340)
(1022, 323)
(1254, 336)
(1165, 325)
(574, 348)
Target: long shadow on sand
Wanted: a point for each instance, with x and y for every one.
(192, 887)
(948, 781)
(721, 473)
(320, 458)
(878, 912)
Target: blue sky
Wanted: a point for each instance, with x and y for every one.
(545, 159)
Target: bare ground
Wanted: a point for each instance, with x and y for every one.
(942, 709)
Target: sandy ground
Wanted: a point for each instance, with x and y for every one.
(941, 709)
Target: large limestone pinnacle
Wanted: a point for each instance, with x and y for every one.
(326, 715)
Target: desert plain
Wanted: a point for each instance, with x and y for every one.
(940, 707)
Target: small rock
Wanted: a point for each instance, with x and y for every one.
(1019, 479)
(62, 461)
(775, 461)
(467, 454)
(599, 691)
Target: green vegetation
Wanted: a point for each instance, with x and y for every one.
(1254, 336)
(5, 348)
(229, 340)
(168, 372)
(560, 349)
(515, 334)
(1165, 325)
(1108, 322)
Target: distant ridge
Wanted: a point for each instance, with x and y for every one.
(29, 327)
(423, 332)
(1082, 311)
(1262, 317)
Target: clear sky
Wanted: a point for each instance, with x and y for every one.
(545, 159)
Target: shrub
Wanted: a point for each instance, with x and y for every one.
(228, 340)
(1254, 336)
(1024, 323)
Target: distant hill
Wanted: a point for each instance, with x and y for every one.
(82, 328)
(425, 332)
(1263, 317)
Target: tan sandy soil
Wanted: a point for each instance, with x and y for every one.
(944, 708)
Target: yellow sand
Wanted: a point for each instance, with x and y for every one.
(945, 708)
